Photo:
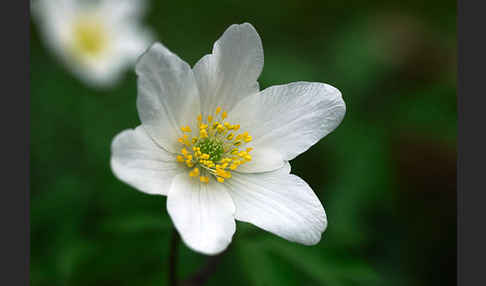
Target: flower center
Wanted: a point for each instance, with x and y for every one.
(215, 150)
(211, 146)
(89, 36)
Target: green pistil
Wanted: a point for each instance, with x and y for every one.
(213, 147)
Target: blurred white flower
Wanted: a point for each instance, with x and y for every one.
(97, 40)
(218, 147)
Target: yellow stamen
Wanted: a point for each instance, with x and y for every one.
(189, 163)
(186, 129)
(203, 133)
(205, 156)
(194, 172)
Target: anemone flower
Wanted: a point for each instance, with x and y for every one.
(218, 147)
(96, 40)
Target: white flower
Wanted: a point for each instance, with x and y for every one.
(96, 40)
(218, 147)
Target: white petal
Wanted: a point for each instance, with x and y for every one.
(123, 10)
(132, 41)
(290, 118)
(231, 71)
(202, 213)
(97, 72)
(167, 95)
(139, 162)
(46, 10)
(130, 38)
(53, 19)
(280, 203)
(263, 160)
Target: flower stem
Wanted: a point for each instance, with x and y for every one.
(198, 278)
(174, 246)
(204, 273)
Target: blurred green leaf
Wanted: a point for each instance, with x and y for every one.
(262, 269)
(324, 267)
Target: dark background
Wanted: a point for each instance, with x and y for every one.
(386, 176)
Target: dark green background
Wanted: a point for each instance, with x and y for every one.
(386, 176)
